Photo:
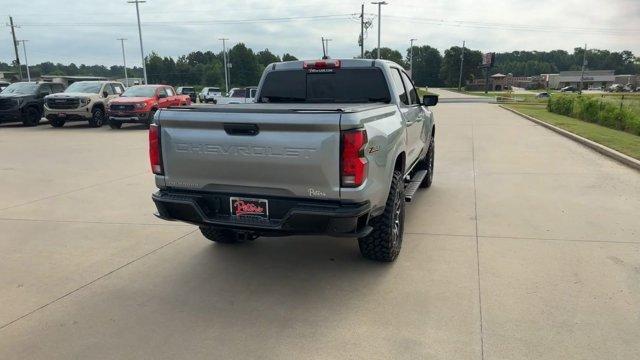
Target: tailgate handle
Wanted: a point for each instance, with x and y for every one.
(241, 129)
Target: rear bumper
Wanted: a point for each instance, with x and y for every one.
(287, 216)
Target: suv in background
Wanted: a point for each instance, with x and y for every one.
(23, 101)
(82, 101)
(209, 94)
(187, 90)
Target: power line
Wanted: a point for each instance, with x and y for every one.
(199, 22)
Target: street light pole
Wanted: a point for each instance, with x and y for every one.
(124, 61)
(144, 66)
(411, 56)
(224, 55)
(26, 61)
(584, 64)
(379, 3)
(461, 63)
(327, 48)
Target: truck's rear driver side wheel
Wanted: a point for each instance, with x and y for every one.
(385, 240)
(225, 236)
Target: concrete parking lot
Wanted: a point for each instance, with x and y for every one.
(526, 247)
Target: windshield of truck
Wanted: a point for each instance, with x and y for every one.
(89, 87)
(330, 86)
(24, 88)
(140, 91)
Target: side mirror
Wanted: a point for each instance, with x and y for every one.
(105, 94)
(430, 100)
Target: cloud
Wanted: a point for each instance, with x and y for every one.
(71, 31)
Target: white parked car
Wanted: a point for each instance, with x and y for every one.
(209, 94)
(243, 95)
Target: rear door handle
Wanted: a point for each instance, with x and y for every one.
(241, 129)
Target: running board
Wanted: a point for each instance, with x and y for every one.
(414, 184)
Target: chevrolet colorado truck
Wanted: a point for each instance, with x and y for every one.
(82, 101)
(330, 147)
(23, 101)
(138, 104)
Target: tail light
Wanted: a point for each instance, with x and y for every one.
(155, 154)
(353, 163)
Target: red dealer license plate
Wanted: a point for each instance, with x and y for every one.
(242, 207)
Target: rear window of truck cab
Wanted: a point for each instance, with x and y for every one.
(341, 85)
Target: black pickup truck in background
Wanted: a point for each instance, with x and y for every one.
(24, 101)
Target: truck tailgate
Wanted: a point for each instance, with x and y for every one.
(286, 153)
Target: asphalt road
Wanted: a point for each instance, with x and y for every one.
(526, 247)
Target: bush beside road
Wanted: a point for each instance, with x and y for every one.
(613, 112)
(618, 140)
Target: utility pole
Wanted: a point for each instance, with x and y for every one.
(124, 61)
(411, 57)
(461, 64)
(144, 65)
(324, 51)
(584, 65)
(15, 45)
(226, 69)
(379, 3)
(362, 31)
(26, 61)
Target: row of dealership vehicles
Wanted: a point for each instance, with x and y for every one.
(96, 102)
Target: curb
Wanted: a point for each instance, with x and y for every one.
(606, 151)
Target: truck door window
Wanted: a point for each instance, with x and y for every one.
(170, 91)
(108, 89)
(44, 89)
(397, 82)
(408, 84)
(162, 91)
(117, 89)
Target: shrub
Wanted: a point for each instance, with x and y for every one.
(562, 105)
(600, 111)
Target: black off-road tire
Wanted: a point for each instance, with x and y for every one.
(219, 235)
(385, 240)
(427, 164)
(115, 124)
(97, 117)
(56, 122)
(32, 116)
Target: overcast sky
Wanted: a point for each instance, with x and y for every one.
(85, 31)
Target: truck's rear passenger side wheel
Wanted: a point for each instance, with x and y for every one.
(385, 240)
(225, 236)
(427, 164)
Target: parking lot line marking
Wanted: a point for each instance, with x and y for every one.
(475, 207)
(96, 280)
(71, 191)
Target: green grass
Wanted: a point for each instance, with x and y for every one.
(621, 141)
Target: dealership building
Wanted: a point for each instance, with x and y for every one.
(592, 79)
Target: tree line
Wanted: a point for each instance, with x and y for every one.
(430, 66)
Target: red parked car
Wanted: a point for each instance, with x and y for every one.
(139, 103)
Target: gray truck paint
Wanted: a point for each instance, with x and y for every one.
(297, 151)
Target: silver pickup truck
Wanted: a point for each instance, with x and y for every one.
(330, 147)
